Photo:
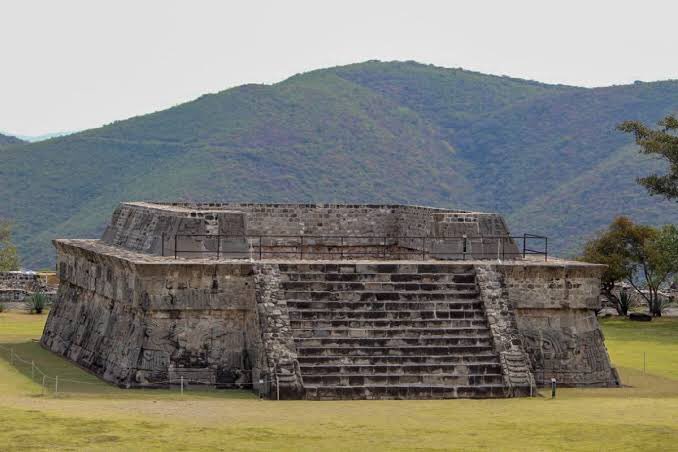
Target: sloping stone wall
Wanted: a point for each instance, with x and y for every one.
(140, 226)
(160, 230)
(138, 323)
(508, 340)
(279, 368)
(555, 311)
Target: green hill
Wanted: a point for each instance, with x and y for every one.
(7, 140)
(547, 156)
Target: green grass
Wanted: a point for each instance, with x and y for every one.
(642, 417)
(627, 342)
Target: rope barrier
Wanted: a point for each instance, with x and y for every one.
(48, 378)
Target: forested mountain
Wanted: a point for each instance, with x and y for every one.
(546, 156)
(6, 140)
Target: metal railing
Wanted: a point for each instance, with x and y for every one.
(263, 246)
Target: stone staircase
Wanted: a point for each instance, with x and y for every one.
(390, 331)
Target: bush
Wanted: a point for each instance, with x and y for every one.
(36, 303)
(626, 302)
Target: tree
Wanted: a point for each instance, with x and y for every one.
(606, 249)
(9, 259)
(643, 256)
(662, 143)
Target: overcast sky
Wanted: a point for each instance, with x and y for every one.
(71, 65)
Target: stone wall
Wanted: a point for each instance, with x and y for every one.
(17, 286)
(555, 311)
(508, 340)
(160, 230)
(407, 229)
(143, 323)
(278, 368)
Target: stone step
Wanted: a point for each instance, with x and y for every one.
(399, 360)
(391, 342)
(481, 331)
(480, 368)
(403, 392)
(386, 324)
(401, 379)
(458, 278)
(329, 286)
(363, 350)
(365, 295)
(371, 268)
(325, 314)
(384, 305)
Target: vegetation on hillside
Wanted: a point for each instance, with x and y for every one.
(546, 156)
(9, 259)
(6, 140)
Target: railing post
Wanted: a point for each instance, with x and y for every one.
(546, 249)
(218, 245)
(175, 246)
(162, 244)
(341, 247)
(524, 244)
(423, 248)
(260, 247)
(384, 255)
(464, 248)
(301, 247)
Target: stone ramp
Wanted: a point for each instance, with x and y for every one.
(391, 331)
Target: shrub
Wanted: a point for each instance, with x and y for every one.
(625, 302)
(36, 303)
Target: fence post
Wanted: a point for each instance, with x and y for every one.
(162, 244)
(260, 247)
(175, 246)
(341, 248)
(218, 245)
(524, 244)
(546, 249)
(464, 248)
(423, 248)
(277, 385)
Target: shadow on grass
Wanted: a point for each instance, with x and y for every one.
(34, 362)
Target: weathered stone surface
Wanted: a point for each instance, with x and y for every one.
(279, 367)
(16, 286)
(322, 329)
(555, 310)
(136, 324)
(508, 339)
(405, 230)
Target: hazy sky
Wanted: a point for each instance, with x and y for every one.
(71, 65)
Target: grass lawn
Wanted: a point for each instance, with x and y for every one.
(641, 417)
